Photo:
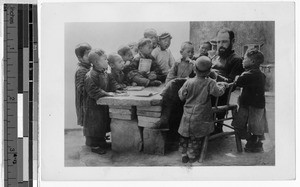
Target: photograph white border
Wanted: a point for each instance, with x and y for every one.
(53, 17)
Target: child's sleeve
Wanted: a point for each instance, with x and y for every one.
(155, 69)
(236, 69)
(246, 80)
(79, 81)
(173, 72)
(183, 92)
(93, 90)
(113, 84)
(171, 59)
(216, 89)
(132, 69)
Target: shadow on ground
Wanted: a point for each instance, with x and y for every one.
(220, 152)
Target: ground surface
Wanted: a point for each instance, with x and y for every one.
(221, 152)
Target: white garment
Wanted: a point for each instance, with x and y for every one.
(164, 58)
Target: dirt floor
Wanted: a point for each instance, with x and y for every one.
(221, 151)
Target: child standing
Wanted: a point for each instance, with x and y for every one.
(250, 121)
(126, 54)
(162, 54)
(82, 50)
(117, 64)
(143, 70)
(197, 119)
(96, 118)
(183, 67)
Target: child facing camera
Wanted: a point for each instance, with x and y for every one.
(162, 53)
(183, 67)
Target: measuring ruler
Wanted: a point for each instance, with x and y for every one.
(20, 95)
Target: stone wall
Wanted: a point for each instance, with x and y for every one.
(246, 32)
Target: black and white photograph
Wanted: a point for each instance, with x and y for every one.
(141, 89)
(192, 105)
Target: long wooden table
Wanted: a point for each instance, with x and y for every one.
(131, 119)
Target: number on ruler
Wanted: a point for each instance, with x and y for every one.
(11, 98)
(11, 149)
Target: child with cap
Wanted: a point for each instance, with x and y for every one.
(96, 118)
(183, 67)
(250, 121)
(81, 51)
(152, 35)
(162, 54)
(197, 120)
(117, 64)
(143, 70)
(126, 54)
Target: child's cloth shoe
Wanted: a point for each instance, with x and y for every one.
(185, 159)
(98, 150)
(252, 147)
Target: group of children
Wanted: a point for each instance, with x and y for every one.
(150, 63)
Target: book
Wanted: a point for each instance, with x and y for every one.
(144, 94)
(145, 65)
(135, 88)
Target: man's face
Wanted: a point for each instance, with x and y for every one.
(165, 43)
(223, 43)
(128, 56)
(101, 62)
(188, 51)
(146, 49)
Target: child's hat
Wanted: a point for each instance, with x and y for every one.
(150, 32)
(203, 65)
(142, 42)
(164, 35)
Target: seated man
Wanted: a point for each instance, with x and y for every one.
(227, 65)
